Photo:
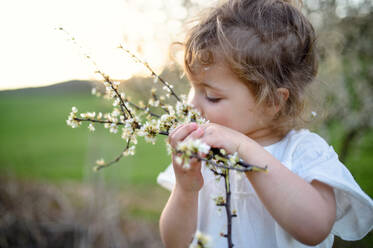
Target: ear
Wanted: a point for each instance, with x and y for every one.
(283, 94)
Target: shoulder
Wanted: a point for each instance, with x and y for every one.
(304, 137)
(305, 142)
(303, 149)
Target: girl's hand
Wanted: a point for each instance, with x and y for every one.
(218, 136)
(188, 180)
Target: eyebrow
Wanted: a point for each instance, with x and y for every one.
(207, 85)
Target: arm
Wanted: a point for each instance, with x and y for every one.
(305, 210)
(179, 218)
(178, 221)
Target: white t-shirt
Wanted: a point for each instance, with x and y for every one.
(305, 154)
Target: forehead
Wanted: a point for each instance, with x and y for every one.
(216, 76)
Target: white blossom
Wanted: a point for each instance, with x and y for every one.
(166, 88)
(195, 116)
(70, 119)
(219, 200)
(134, 140)
(154, 103)
(91, 127)
(141, 104)
(100, 162)
(129, 151)
(116, 102)
(203, 240)
(126, 133)
(156, 78)
(169, 148)
(113, 128)
(181, 109)
(115, 113)
(116, 84)
(167, 121)
(178, 160)
(191, 147)
(233, 159)
(149, 131)
(73, 123)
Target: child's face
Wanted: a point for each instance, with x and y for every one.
(223, 99)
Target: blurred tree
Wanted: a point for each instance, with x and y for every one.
(345, 34)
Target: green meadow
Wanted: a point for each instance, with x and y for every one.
(36, 143)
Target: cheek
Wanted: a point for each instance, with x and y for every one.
(240, 119)
(225, 116)
(218, 115)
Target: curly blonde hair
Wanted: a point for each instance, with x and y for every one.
(267, 44)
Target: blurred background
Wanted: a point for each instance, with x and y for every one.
(49, 196)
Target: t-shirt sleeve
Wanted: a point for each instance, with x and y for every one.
(314, 159)
(167, 178)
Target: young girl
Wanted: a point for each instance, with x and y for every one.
(249, 63)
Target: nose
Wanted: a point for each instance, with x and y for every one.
(194, 101)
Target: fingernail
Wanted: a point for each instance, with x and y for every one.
(199, 130)
(193, 125)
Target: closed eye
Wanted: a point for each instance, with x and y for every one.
(212, 99)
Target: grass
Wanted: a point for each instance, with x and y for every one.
(36, 143)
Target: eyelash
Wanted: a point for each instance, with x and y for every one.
(213, 100)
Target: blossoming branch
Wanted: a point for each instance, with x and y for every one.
(138, 120)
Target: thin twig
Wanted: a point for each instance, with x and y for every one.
(156, 98)
(107, 79)
(248, 168)
(122, 104)
(227, 207)
(143, 109)
(153, 74)
(99, 121)
(99, 167)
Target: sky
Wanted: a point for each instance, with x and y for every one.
(33, 53)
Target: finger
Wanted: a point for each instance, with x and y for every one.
(198, 133)
(177, 162)
(176, 128)
(182, 133)
(195, 164)
(171, 134)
